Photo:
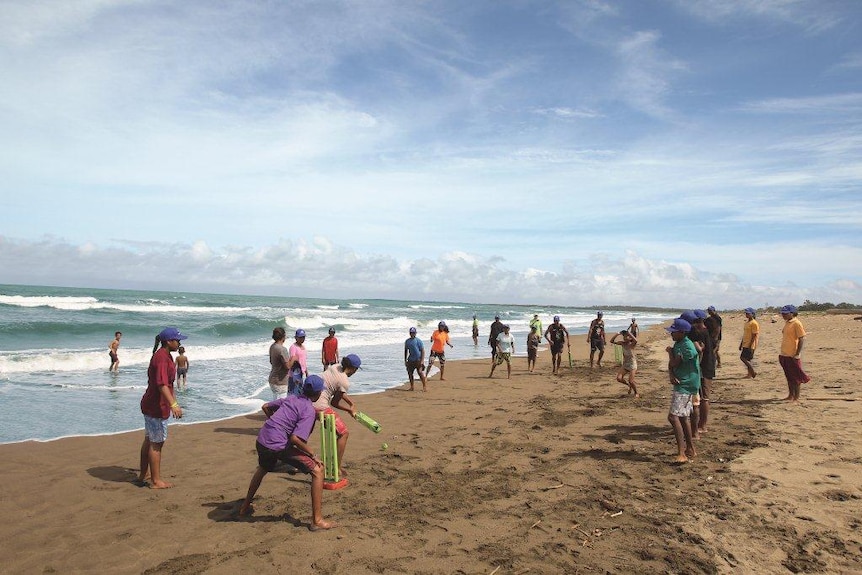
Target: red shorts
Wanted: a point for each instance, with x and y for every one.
(793, 370)
(340, 427)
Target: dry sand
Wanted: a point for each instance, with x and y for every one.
(536, 474)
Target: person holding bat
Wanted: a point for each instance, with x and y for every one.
(334, 395)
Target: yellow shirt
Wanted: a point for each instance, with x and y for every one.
(790, 336)
(751, 329)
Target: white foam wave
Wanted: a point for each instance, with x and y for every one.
(91, 303)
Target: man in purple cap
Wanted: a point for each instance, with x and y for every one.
(284, 437)
(334, 395)
(684, 373)
(597, 339)
(157, 405)
(792, 338)
(750, 335)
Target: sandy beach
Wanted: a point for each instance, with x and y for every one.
(534, 474)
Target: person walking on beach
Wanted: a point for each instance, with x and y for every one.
(496, 329)
(557, 336)
(284, 437)
(629, 366)
(537, 323)
(158, 404)
(505, 349)
(713, 325)
(278, 360)
(748, 344)
(633, 328)
(684, 374)
(792, 339)
(297, 363)
(475, 330)
(439, 339)
(596, 338)
(112, 352)
(533, 341)
(335, 387)
(182, 368)
(329, 349)
(414, 358)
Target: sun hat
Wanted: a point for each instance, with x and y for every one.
(750, 311)
(679, 324)
(313, 384)
(789, 309)
(299, 333)
(170, 333)
(412, 330)
(353, 360)
(688, 316)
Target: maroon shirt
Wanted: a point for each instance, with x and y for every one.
(161, 372)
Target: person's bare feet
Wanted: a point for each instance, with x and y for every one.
(246, 510)
(322, 525)
(161, 485)
(690, 453)
(680, 459)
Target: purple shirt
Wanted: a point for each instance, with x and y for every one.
(295, 416)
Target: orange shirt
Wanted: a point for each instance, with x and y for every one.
(439, 339)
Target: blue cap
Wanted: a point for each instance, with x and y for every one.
(170, 333)
(412, 330)
(353, 360)
(679, 324)
(789, 309)
(711, 308)
(299, 333)
(313, 384)
(750, 311)
(688, 316)
(556, 318)
(700, 314)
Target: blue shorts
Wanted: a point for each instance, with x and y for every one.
(156, 429)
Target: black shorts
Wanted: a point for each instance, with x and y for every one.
(268, 458)
(747, 354)
(414, 366)
(597, 344)
(557, 348)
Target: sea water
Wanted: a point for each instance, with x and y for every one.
(55, 381)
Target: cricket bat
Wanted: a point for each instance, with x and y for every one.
(367, 422)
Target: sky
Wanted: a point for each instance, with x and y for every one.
(672, 153)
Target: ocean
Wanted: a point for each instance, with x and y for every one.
(55, 382)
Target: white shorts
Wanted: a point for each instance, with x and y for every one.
(156, 429)
(680, 404)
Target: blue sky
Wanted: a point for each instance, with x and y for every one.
(674, 153)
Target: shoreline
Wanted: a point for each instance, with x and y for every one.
(539, 473)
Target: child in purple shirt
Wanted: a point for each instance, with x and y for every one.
(284, 436)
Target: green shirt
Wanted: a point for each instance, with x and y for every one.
(687, 372)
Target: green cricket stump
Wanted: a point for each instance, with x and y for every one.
(329, 452)
(618, 354)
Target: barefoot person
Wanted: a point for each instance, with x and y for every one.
(284, 437)
(792, 338)
(182, 368)
(157, 405)
(750, 335)
(414, 358)
(684, 373)
(629, 366)
(112, 352)
(596, 338)
(505, 349)
(439, 341)
(335, 387)
(534, 338)
(329, 349)
(557, 336)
